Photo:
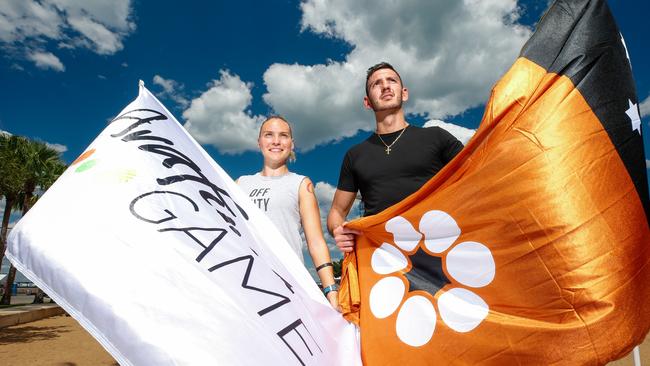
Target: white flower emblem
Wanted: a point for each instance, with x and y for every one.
(468, 263)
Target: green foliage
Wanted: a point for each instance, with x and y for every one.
(27, 168)
(337, 267)
(12, 171)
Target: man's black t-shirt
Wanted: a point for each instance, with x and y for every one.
(385, 179)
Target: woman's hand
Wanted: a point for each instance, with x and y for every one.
(332, 297)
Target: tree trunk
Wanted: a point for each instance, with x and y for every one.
(27, 200)
(6, 297)
(9, 203)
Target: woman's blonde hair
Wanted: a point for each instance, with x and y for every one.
(292, 154)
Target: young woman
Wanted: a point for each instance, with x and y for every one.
(288, 200)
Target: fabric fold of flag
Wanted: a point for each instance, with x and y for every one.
(151, 246)
(532, 246)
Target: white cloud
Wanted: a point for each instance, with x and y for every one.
(25, 19)
(449, 54)
(325, 194)
(99, 25)
(221, 115)
(102, 40)
(322, 102)
(171, 89)
(114, 14)
(46, 60)
(461, 133)
(644, 107)
(647, 164)
(57, 147)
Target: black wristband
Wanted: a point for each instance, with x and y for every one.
(328, 264)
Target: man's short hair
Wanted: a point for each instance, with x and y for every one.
(379, 66)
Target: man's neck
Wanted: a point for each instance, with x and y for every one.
(390, 121)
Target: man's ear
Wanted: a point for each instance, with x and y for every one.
(405, 94)
(366, 103)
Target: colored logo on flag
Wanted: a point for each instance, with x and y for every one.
(418, 256)
(119, 175)
(84, 163)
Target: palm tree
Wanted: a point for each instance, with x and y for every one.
(12, 179)
(38, 166)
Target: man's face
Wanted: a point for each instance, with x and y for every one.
(385, 91)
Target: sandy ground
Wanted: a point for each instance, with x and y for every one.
(61, 341)
(58, 340)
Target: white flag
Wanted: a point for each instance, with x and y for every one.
(154, 249)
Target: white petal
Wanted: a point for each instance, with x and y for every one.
(471, 264)
(385, 296)
(416, 321)
(405, 236)
(440, 230)
(461, 309)
(387, 259)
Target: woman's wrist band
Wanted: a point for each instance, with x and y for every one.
(330, 288)
(328, 264)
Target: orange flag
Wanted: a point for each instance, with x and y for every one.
(532, 246)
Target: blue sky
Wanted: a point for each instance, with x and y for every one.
(68, 67)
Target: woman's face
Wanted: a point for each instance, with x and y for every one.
(275, 141)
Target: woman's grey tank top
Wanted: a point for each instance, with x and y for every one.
(278, 198)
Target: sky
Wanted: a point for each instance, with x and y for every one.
(68, 66)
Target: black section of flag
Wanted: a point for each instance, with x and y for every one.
(580, 39)
(426, 273)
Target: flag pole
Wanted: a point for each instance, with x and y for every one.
(637, 356)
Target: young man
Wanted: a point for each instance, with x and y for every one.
(393, 162)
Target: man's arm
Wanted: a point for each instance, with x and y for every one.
(341, 205)
(452, 148)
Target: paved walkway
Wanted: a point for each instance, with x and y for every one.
(27, 312)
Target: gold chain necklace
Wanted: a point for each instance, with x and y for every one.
(394, 141)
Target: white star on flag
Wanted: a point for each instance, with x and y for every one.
(633, 113)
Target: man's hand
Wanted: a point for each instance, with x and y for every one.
(345, 237)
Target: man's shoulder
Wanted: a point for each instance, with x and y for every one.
(359, 147)
(430, 132)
